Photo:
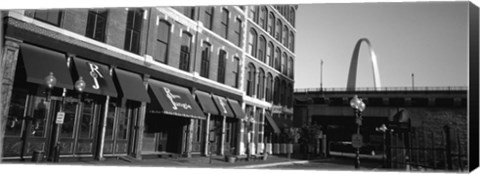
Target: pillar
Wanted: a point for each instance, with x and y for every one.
(207, 134)
(8, 65)
(140, 124)
(222, 144)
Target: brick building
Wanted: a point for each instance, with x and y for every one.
(138, 81)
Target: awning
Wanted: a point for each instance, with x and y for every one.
(132, 86)
(280, 121)
(40, 62)
(223, 107)
(175, 100)
(96, 76)
(237, 109)
(272, 123)
(206, 102)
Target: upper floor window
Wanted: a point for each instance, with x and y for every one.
(290, 67)
(292, 17)
(276, 91)
(278, 30)
(224, 23)
(189, 12)
(205, 62)
(276, 60)
(271, 24)
(238, 32)
(284, 63)
(96, 24)
(222, 66)
(185, 50)
(163, 40)
(268, 90)
(52, 17)
(261, 83)
(292, 41)
(236, 71)
(251, 80)
(208, 18)
(133, 30)
(252, 43)
(261, 50)
(262, 20)
(253, 13)
(285, 36)
(269, 58)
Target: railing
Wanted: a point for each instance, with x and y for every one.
(420, 88)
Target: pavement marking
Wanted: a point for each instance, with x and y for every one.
(272, 164)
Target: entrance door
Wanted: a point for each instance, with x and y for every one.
(86, 128)
(67, 138)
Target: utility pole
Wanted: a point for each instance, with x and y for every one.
(413, 81)
(321, 75)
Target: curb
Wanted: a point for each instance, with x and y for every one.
(272, 164)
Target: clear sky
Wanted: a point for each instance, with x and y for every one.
(428, 39)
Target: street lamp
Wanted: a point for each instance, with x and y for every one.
(50, 81)
(384, 130)
(80, 86)
(358, 107)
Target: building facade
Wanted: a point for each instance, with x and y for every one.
(138, 81)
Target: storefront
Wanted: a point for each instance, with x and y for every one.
(92, 116)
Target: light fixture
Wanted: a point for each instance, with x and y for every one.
(80, 84)
(50, 80)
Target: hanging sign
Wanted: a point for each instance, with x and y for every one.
(60, 117)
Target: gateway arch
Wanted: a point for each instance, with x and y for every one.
(352, 73)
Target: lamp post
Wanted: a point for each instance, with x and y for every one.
(358, 107)
(384, 130)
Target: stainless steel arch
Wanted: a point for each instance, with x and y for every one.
(352, 73)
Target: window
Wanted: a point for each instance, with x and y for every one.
(238, 32)
(261, 84)
(263, 18)
(251, 80)
(236, 72)
(96, 24)
(276, 91)
(292, 41)
(271, 24)
(189, 12)
(185, 51)
(290, 67)
(292, 17)
(284, 63)
(278, 30)
(134, 26)
(268, 90)
(289, 95)
(261, 49)
(221, 66)
(163, 40)
(285, 36)
(252, 43)
(282, 93)
(253, 14)
(269, 58)
(205, 65)
(224, 24)
(208, 19)
(276, 60)
(52, 17)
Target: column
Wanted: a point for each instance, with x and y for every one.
(140, 125)
(7, 74)
(222, 144)
(207, 134)
(190, 138)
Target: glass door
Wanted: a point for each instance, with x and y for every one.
(67, 129)
(86, 129)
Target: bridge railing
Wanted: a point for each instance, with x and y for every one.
(420, 88)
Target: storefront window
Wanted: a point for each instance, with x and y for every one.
(15, 113)
(122, 124)
(69, 120)
(86, 120)
(40, 116)
(110, 120)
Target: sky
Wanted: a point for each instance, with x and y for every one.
(428, 39)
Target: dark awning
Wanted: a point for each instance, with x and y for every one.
(237, 109)
(175, 100)
(132, 86)
(96, 76)
(280, 121)
(206, 102)
(272, 123)
(223, 107)
(40, 62)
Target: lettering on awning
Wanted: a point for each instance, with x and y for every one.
(171, 97)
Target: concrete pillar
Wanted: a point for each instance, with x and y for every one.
(222, 144)
(8, 65)
(140, 125)
(189, 138)
(207, 134)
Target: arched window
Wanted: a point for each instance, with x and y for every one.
(282, 93)
(290, 67)
(290, 95)
(292, 42)
(252, 42)
(271, 24)
(253, 13)
(262, 19)
(277, 58)
(261, 84)
(185, 51)
(262, 49)
(276, 91)
(278, 30)
(269, 58)
(268, 90)
(163, 40)
(292, 16)
(205, 63)
(222, 56)
(251, 80)
(284, 63)
(285, 36)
